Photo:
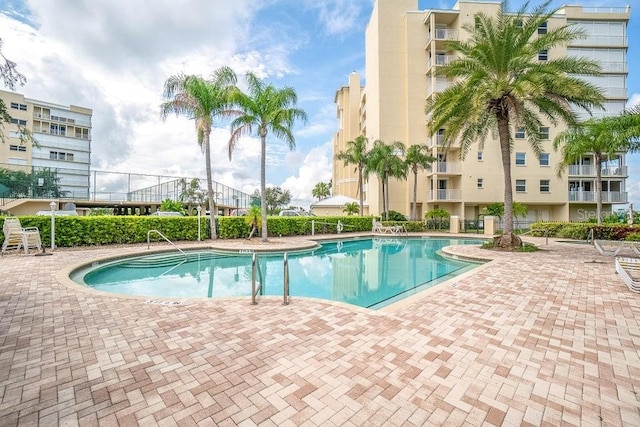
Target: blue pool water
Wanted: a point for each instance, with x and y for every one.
(364, 272)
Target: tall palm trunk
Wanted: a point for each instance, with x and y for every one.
(598, 161)
(212, 204)
(505, 151)
(387, 198)
(263, 185)
(360, 185)
(414, 211)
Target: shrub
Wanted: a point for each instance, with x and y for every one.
(393, 216)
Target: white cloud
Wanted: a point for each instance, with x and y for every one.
(315, 167)
(114, 57)
(339, 16)
(634, 100)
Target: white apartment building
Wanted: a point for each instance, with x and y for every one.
(405, 47)
(63, 135)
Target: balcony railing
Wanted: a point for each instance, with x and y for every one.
(601, 41)
(578, 170)
(605, 9)
(451, 195)
(590, 196)
(447, 167)
(614, 67)
(442, 34)
(439, 87)
(439, 60)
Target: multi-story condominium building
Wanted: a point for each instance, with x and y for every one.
(405, 47)
(63, 136)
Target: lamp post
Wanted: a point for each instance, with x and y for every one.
(199, 209)
(52, 205)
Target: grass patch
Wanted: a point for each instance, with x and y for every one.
(525, 247)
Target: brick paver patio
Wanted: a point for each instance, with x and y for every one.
(547, 338)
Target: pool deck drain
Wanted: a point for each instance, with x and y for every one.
(528, 339)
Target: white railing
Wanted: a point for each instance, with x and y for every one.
(578, 170)
(616, 92)
(442, 34)
(605, 9)
(601, 41)
(439, 60)
(452, 195)
(448, 167)
(590, 196)
(614, 67)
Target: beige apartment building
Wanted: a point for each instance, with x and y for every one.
(63, 135)
(404, 48)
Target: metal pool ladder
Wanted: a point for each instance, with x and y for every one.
(255, 270)
(165, 238)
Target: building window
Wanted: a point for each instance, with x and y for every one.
(544, 133)
(543, 55)
(18, 148)
(521, 185)
(545, 185)
(544, 159)
(480, 183)
(480, 156)
(520, 133)
(58, 129)
(16, 106)
(61, 155)
(19, 122)
(521, 159)
(542, 29)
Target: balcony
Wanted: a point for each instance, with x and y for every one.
(617, 41)
(442, 34)
(447, 168)
(439, 60)
(446, 195)
(577, 170)
(614, 67)
(590, 196)
(440, 86)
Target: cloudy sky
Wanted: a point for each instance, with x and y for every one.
(114, 56)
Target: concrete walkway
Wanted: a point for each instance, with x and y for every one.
(547, 338)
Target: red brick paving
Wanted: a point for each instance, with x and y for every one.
(547, 338)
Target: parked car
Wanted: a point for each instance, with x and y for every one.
(291, 212)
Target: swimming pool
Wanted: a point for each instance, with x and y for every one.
(365, 272)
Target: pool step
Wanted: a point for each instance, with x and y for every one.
(167, 260)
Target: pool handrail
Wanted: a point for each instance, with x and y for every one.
(255, 266)
(285, 285)
(165, 238)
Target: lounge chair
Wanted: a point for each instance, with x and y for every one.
(16, 237)
(379, 228)
(607, 251)
(629, 271)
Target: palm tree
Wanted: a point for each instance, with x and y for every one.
(417, 158)
(356, 154)
(201, 100)
(351, 208)
(501, 84)
(605, 138)
(322, 190)
(385, 162)
(265, 108)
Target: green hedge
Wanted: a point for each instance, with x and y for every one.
(102, 230)
(581, 230)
